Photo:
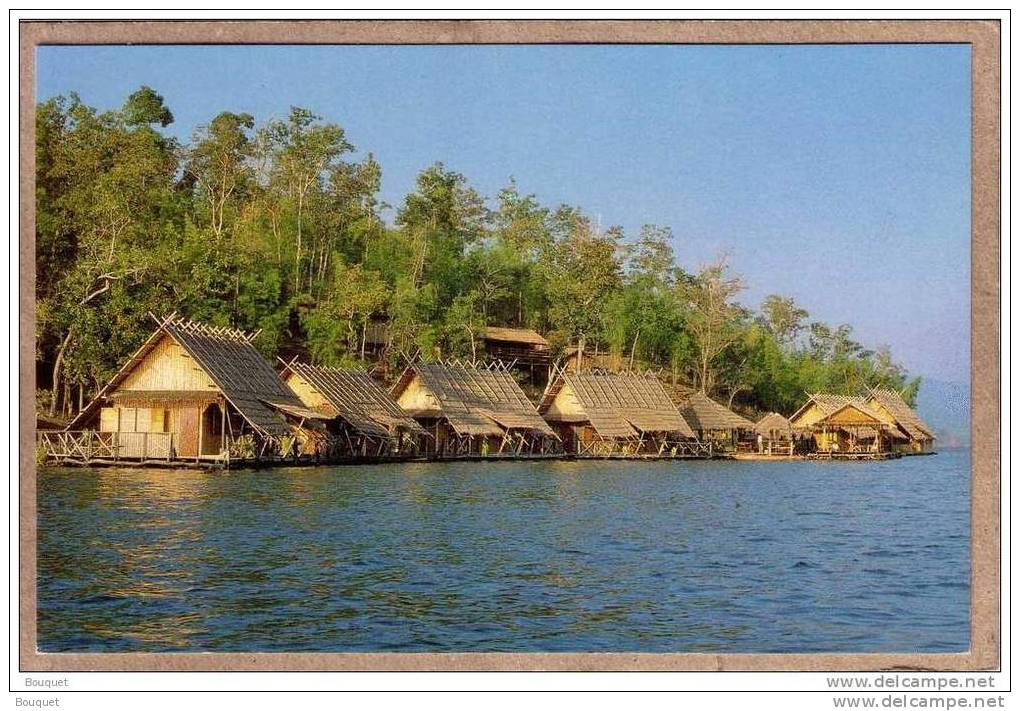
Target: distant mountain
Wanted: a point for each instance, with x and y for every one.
(946, 407)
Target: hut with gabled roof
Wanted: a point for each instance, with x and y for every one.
(713, 421)
(195, 393)
(845, 425)
(600, 414)
(894, 410)
(374, 424)
(775, 434)
(472, 411)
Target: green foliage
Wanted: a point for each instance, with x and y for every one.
(275, 228)
(146, 107)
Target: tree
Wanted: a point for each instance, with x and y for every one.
(463, 323)
(112, 177)
(441, 219)
(783, 318)
(645, 311)
(586, 270)
(303, 150)
(145, 107)
(337, 324)
(713, 317)
(218, 161)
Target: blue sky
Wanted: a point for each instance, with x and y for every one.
(838, 175)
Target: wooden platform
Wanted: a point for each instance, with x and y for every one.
(756, 457)
(853, 456)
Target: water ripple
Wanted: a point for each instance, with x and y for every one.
(539, 556)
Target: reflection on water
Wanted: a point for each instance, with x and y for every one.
(551, 556)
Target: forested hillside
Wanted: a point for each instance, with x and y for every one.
(275, 226)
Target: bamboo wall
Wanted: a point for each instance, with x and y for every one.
(809, 417)
(168, 367)
(311, 397)
(417, 397)
(565, 406)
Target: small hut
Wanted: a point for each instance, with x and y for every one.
(775, 434)
(196, 393)
(373, 424)
(843, 425)
(713, 421)
(473, 410)
(616, 414)
(524, 348)
(517, 344)
(894, 410)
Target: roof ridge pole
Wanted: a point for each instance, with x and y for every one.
(166, 320)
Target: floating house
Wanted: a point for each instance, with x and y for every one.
(775, 435)
(192, 393)
(617, 414)
(894, 410)
(845, 426)
(712, 421)
(372, 423)
(473, 411)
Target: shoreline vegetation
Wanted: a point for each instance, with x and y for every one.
(275, 227)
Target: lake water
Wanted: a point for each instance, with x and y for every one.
(511, 556)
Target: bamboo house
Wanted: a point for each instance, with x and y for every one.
(713, 421)
(473, 411)
(191, 393)
(617, 414)
(894, 410)
(846, 427)
(372, 424)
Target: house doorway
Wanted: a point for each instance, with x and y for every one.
(212, 429)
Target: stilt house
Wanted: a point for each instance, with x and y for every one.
(473, 411)
(197, 393)
(374, 424)
(616, 414)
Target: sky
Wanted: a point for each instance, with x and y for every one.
(837, 175)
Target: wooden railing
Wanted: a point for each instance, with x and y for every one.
(681, 449)
(89, 445)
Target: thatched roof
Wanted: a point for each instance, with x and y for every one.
(356, 398)
(476, 400)
(829, 404)
(774, 426)
(244, 377)
(621, 405)
(515, 335)
(705, 414)
(905, 417)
